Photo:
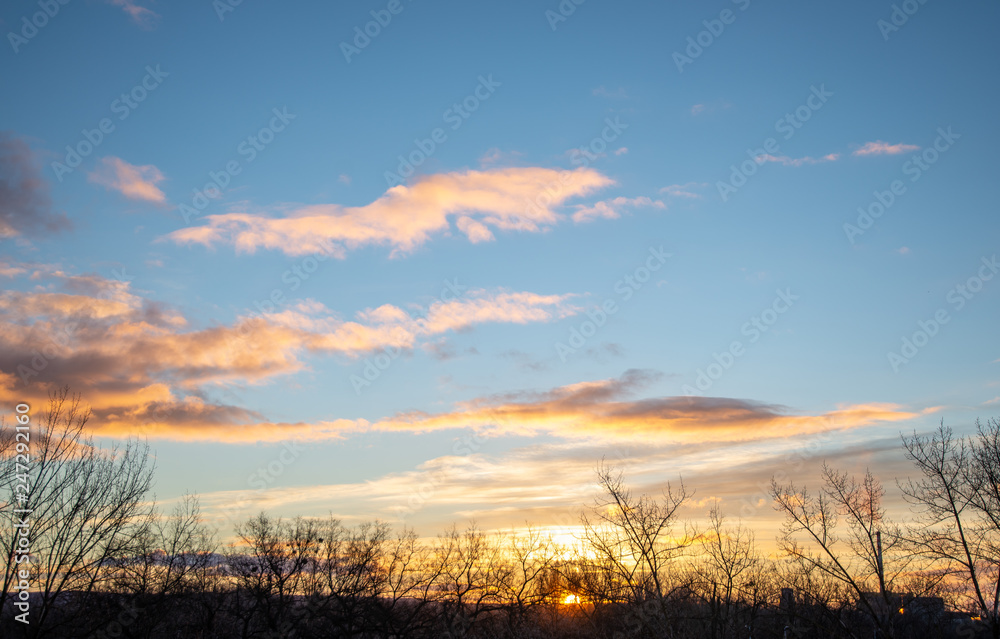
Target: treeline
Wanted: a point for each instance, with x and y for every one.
(105, 563)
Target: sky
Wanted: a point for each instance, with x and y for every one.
(432, 262)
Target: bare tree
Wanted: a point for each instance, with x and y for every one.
(868, 557)
(269, 565)
(957, 498)
(731, 577)
(174, 559)
(87, 508)
(634, 544)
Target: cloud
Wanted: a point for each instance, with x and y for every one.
(787, 161)
(142, 16)
(8, 269)
(136, 360)
(497, 157)
(621, 151)
(605, 411)
(884, 148)
(134, 182)
(612, 209)
(406, 217)
(525, 361)
(685, 190)
(25, 207)
(475, 477)
(605, 351)
(443, 350)
(698, 109)
(344, 179)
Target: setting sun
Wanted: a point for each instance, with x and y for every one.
(569, 600)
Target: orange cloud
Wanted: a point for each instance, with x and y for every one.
(405, 217)
(884, 148)
(134, 182)
(138, 362)
(601, 410)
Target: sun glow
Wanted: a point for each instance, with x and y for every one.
(570, 600)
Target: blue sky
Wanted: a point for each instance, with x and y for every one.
(170, 329)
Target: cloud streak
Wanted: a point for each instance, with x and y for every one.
(884, 148)
(784, 160)
(613, 209)
(605, 411)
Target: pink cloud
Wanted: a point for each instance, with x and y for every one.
(884, 148)
(612, 209)
(142, 16)
(683, 190)
(787, 161)
(134, 182)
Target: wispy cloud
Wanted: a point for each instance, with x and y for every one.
(787, 161)
(142, 16)
(134, 182)
(406, 217)
(884, 148)
(611, 209)
(686, 190)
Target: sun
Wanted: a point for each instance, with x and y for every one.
(570, 600)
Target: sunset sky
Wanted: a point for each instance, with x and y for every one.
(432, 261)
